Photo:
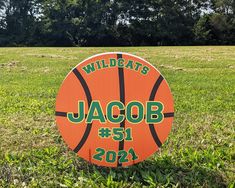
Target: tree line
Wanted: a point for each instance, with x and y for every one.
(116, 22)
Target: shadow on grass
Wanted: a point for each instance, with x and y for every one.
(163, 172)
(60, 166)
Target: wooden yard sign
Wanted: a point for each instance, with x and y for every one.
(114, 109)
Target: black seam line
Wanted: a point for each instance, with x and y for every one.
(119, 56)
(84, 85)
(169, 114)
(89, 100)
(151, 98)
(122, 99)
(64, 114)
(155, 88)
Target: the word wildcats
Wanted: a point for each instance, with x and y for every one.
(120, 63)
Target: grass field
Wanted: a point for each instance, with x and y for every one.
(200, 151)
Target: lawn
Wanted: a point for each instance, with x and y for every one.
(199, 152)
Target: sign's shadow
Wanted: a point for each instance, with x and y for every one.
(162, 171)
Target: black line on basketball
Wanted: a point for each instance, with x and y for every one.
(84, 85)
(89, 100)
(122, 99)
(84, 138)
(151, 98)
(62, 114)
(119, 56)
(155, 88)
(169, 114)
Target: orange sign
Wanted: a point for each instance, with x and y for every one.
(114, 109)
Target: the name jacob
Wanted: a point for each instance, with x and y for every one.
(151, 112)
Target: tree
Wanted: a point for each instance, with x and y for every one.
(2, 4)
(82, 22)
(202, 30)
(19, 21)
(114, 23)
(217, 27)
(3, 41)
(155, 22)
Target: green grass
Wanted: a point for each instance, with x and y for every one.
(199, 152)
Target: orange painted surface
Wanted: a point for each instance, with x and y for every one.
(104, 87)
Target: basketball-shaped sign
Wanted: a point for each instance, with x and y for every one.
(114, 109)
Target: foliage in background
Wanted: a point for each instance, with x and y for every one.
(115, 23)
